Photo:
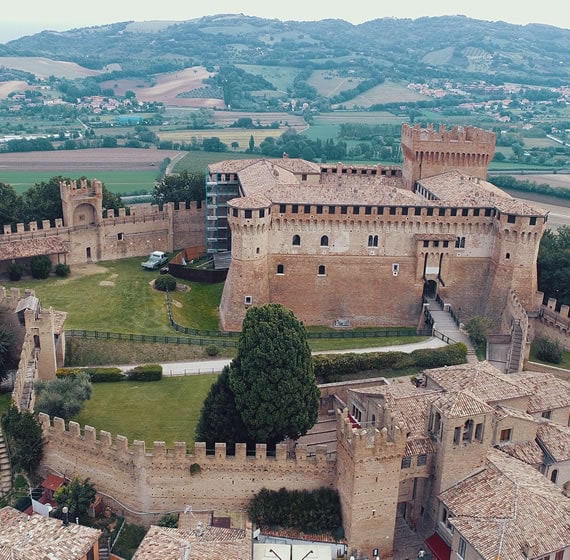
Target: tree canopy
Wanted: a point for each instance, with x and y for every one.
(77, 496)
(24, 436)
(63, 397)
(272, 377)
(182, 187)
(554, 265)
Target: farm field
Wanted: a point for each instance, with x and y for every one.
(388, 92)
(226, 135)
(280, 76)
(328, 83)
(45, 67)
(198, 161)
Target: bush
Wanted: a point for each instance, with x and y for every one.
(168, 520)
(40, 267)
(15, 271)
(477, 328)
(549, 350)
(148, 372)
(62, 270)
(212, 350)
(96, 374)
(63, 397)
(165, 283)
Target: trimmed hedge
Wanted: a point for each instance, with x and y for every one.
(96, 374)
(330, 368)
(148, 372)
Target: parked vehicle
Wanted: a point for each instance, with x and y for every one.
(155, 260)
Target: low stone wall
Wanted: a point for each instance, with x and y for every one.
(544, 368)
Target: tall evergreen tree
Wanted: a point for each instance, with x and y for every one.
(272, 376)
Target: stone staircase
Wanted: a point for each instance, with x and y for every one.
(5, 468)
(515, 357)
(104, 552)
(446, 327)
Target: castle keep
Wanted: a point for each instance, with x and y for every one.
(361, 245)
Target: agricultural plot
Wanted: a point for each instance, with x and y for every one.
(45, 67)
(329, 83)
(226, 135)
(280, 76)
(388, 92)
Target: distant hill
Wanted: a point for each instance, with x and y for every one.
(453, 47)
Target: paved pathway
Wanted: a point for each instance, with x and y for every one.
(216, 365)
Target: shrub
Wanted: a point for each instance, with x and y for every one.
(148, 372)
(212, 350)
(15, 271)
(477, 328)
(40, 267)
(549, 350)
(96, 374)
(62, 270)
(165, 283)
(63, 397)
(168, 520)
(195, 469)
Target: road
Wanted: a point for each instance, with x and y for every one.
(200, 367)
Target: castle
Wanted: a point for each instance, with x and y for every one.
(361, 245)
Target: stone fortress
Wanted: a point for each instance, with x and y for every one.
(475, 460)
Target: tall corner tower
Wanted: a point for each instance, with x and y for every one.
(368, 478)
(429, 152)
(247, 281)
(82, 204)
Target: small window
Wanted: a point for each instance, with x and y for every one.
(120, 236)
(405, 211)
(247, 214)
(332, 209)
(479, 432)
(307, 208)
(511, 219)
(262, 213)
(505, 435)
(436, 243)
(426, 243)
(465, 211)
(476, 211)
(235, 212)
(356, 210)
(344, 209)
(446, 244)
(368, 210)
(532, 221)
(508, 256)
(488, 212)
(462, 547)
(456, 436)
(372, 241)
(547, 414)
(406, 462)
(454, 211)
(324, 241)
(303, 176)
(295, 209)
(280, 269)
(442, 211)
(417, 211)
(430, 211)
(319, 209)
(422, 460)
(282, 208)
(296, 240)
(322, 270)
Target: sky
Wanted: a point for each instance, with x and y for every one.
(33, 16)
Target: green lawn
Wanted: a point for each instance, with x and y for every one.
(198, 161)
(565, 364)
(5, 401)
(165, 410)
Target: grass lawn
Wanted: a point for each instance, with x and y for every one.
(564, 364)
(198, 161)
(166, 410)
(5, 401)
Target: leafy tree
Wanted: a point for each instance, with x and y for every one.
(7, 343)
(15, 271)
(214, 144)
(272, 376)
(477, 327)
(168, 520)
(40, 266)
(183, 187)
(554, 265)
(63, 397)
(220, 420)
(549, 350)
(10, 205)
(24, 436)
(77, 496)
(251, 144)
(43, 201)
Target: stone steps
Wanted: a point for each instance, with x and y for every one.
(5, 468)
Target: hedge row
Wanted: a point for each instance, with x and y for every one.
(330, 368)
(149, 372)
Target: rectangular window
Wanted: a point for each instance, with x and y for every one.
(332, 209)
(422, 460)
(307, 208)
(319, 209)
(426, 243)
(282, 208)
(262, 213)
(344, 210)
(462, 547)
(465, 211)
(368, 210)
(120, 236)
(247, 213)
(392, 211)
(475, 211)
(406, 462)
(235, 212)
(446, 244)
(295, 209)
(430, 211)
(488, 212)
(533, 221)
(454, 211)
(436, 243)
(417, 211)
(303, 177)
(405, 211)
(511, 219)
(356, 210)
(547, 414)
(479, 432)
(505, 435)
(456, 436)
(442, 211)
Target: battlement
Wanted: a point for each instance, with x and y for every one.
(457, 134)
(55, 431)
(559, 319)
(84, 188)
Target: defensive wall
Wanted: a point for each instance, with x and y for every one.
(554, 324)
(160, 479)
(84, 235)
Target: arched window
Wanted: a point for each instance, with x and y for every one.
(280, 269)
(322, 270)
(372, 241)
(554, 476)
(296, 240)
(325, 241)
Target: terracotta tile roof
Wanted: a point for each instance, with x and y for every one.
(163, 543)
(454, 187)
(547, 392)
(419, 446)
(556, 440)
(506, 411)
(482, 379)
(31, 248)
(36, 536)
(528, 452)
(509, 507)
(53, 482)
(460, 404)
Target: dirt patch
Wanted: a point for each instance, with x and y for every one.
(87, 269)
(107, 283)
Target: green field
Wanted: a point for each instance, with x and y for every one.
(120, 182)
(166, 410)
(280, 76)
(199, 161)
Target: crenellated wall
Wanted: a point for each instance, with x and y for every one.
(160, 479)
(552, 323)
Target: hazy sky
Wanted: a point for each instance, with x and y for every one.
(31, 16)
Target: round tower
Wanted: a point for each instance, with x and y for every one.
(247, 282)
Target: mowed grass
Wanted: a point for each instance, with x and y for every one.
(388, 92)
(199, 161)
(118, 297)
(119, 182)
(166, 410)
